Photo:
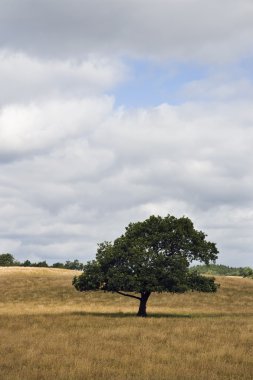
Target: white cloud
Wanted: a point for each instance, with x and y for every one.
(75, 169)
(95, 172)
(25, 78)
(222, 86)
(40, 126)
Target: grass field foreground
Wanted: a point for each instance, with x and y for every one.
(50, 331)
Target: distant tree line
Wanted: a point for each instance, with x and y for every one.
(7, 260)
(223, 270)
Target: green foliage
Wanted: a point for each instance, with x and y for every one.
(40, 264)
(26, 263)
(74, 265)
(201, 283)
(223, 270)
(152, 256)
(58, 265)
(91, 279)
(6, 259)
(246, 272)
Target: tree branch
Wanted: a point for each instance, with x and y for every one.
(129, 295)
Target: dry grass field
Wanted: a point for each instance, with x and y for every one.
(50, 331)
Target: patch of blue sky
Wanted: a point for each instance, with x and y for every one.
(152, 83)
(246, 66)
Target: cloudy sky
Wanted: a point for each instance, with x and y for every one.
(113, 110)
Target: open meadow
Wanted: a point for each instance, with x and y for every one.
(49, 331)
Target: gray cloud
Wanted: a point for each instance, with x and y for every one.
(196, 29)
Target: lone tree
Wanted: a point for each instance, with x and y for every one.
(152, 256)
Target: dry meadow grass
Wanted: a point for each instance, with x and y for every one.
(50, 331)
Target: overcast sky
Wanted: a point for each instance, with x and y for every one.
(113, 110)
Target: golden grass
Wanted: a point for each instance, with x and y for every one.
(50, 331)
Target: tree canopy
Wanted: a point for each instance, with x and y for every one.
(6, 259)
(151, 256)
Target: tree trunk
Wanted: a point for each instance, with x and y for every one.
(143, 302)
